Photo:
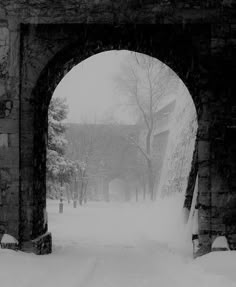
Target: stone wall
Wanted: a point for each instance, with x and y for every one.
(182, 127)
(200, 47)
(120, 11)
(9, 126)
(4, 50)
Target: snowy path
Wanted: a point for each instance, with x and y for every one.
(117, 245)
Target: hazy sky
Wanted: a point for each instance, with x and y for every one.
(90, 88)
(92, 92)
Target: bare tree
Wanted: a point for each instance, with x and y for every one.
(83, 139)
(145, 82)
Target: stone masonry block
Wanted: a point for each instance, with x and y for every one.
(219, 199)
(204, 239)
(4, 142)
(14, 54)
(203, 186)
(9, 126)
(4, 35)
(13, 140)
(204, 169)
(40, 246)
(203, 130)
(2, 89)
(203, 151)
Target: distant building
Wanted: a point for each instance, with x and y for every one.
(173, 140)
(109, 154)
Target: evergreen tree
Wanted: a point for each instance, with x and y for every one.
(59, 167)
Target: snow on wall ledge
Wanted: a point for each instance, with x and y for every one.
(9, 242)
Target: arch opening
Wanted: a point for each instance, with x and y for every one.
(173, 140)
(51, 75)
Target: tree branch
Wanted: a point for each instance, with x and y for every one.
(133, 141)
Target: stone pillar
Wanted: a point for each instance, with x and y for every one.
(9, 126)
(223, 201)
(204, 182)
(33, 135)
(214, 188)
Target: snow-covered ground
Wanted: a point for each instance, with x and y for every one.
(118, 245)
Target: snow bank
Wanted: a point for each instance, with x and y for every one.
(128, 245)
(220, 263)
(123, 223)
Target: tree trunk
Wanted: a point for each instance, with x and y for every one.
(75, 193)
(81, 195)
(144, 191)
(149, 165)
(68, 192)
(150, 180)
(85, 193)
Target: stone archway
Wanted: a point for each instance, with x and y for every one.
(50, 51)
(47, 51)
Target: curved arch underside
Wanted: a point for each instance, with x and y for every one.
(65, 46)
